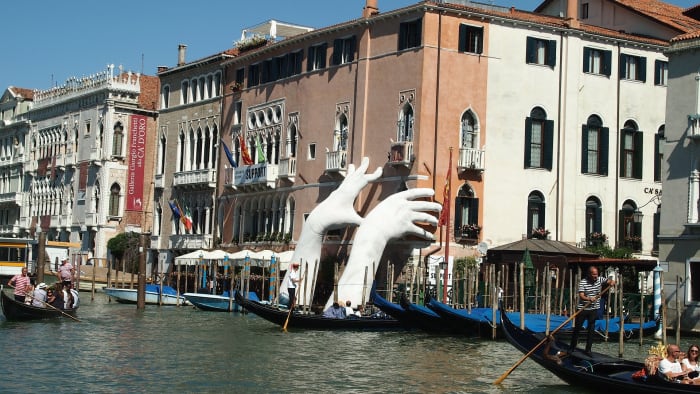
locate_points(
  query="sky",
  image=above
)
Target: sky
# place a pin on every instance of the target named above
(48, 41)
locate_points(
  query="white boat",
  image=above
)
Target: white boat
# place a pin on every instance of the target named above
(153, 296)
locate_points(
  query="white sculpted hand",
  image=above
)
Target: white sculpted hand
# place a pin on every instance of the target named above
(337, 209)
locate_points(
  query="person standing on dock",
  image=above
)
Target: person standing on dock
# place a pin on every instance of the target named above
(20, 282)
(589, 291)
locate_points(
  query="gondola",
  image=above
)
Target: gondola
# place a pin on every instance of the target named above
(413, 315)
(278, 316)
(594, 371)
(19, 311)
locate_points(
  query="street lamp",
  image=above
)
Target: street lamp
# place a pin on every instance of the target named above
(637, 216)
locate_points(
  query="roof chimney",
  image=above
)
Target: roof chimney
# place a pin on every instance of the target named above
(572, 13)
(370, 8)
(181, 49)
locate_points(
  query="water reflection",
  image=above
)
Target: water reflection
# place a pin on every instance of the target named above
(119, 349)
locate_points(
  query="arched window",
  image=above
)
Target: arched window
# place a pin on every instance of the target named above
(469, 131)
(118, 139)
(535, 212)
(292, 141)
(631, 151)
(466, 218)
(594, 145)
(181, 151)
(630, 232)
(539, 140)
(96, 198)
(405, 123)
(114, 199)
(594, 215)
(340, 134)
(659, 141)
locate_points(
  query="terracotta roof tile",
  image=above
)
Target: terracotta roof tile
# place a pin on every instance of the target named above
(668, 14)
(687, 36)
(27, 94)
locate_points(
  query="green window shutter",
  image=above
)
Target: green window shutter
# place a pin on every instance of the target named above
(598, 221)
(311, 54)
(548, 148)
(586, 59)
(480, 44)
(530, 50)
(473, 211)
(584, 149)
(402, 36)
(552, 53)
(620, 227)
(657, 72)
(528, 141)
(638, 155)
(604, 149)
(352, 44)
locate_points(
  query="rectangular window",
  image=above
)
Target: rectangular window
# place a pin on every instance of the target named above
(633, 68)
(166, 97)
(539, 51)
(184, 92)
(343, 50)
(312, 151)
(631, 153)
(627, 154)
(584, 11)
(237, 111)
(536, 144)
(410, 34)
(597, 61)
(317, 57)
(240, 75)
(660, 73)
(593, 150)
(539, 143)
(471, 39)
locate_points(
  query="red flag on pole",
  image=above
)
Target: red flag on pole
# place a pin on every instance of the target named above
(245, 155)
(445, 214)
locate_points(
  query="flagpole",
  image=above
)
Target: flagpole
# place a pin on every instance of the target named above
(445, 273)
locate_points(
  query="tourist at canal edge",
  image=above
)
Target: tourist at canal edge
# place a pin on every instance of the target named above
(20, 283)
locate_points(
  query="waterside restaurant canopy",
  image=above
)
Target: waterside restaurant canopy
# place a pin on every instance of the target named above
(259, 259)
(559, 254)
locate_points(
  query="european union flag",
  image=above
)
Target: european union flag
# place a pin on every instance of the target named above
(229, 156)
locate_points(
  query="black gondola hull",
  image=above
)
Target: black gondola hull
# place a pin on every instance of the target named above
(595, 371)
(19, 311)
(298, 320)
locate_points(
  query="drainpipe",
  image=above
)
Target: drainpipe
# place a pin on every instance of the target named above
(562, 119)
(617, 150)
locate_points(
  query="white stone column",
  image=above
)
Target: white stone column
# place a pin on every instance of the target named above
(693, 191)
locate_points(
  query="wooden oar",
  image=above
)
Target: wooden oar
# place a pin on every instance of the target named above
(53, 307)
(546, 338)
(291, 308)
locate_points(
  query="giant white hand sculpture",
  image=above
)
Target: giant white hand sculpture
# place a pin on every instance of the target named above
(335, 211)
(393, 218)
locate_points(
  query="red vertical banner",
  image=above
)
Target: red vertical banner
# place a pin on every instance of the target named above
(137, 153)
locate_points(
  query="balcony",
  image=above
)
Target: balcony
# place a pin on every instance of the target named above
(337, 161)
(70, 158)
(256, 176)
(200, 178)
(401, 153)
(91, 219)
(288, 168)
(470, 159)
(190, 241)
(467, 234)
(58, 221)
(60, 161)
(159, 182)
(13, 198)
(694, 129)
(96, 156)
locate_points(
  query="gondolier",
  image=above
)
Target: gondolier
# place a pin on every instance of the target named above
(20, 283)
(292, 281)
(66, 272)
(589, 290)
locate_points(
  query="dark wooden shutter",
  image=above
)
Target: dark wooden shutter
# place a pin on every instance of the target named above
(323, 52)
(528, 141)
(351, 47)
(623, 67)
(310, 58)
(657, 72)
(604, 139)
(584, 149)
(480, 41)
(462, 46)
(586, 59)
(530, 52)
(548, 148)
(474, 211)
(598, 220)
(642, 69)
(620, 227)
(638, 155)
(337, 51)
(459, 203)
(402, 36)
(607, 62)
(552, 53)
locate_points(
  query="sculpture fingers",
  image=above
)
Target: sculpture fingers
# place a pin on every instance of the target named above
(412, 194)
(426, 206)
(422, 217)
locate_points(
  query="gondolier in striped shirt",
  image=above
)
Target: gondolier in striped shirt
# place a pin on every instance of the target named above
(20, 283)
(589, 291)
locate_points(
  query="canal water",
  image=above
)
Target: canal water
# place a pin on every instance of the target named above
(116, 348)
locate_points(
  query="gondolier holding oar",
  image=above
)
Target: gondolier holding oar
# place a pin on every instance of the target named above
(292, 281)
(589, 290)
